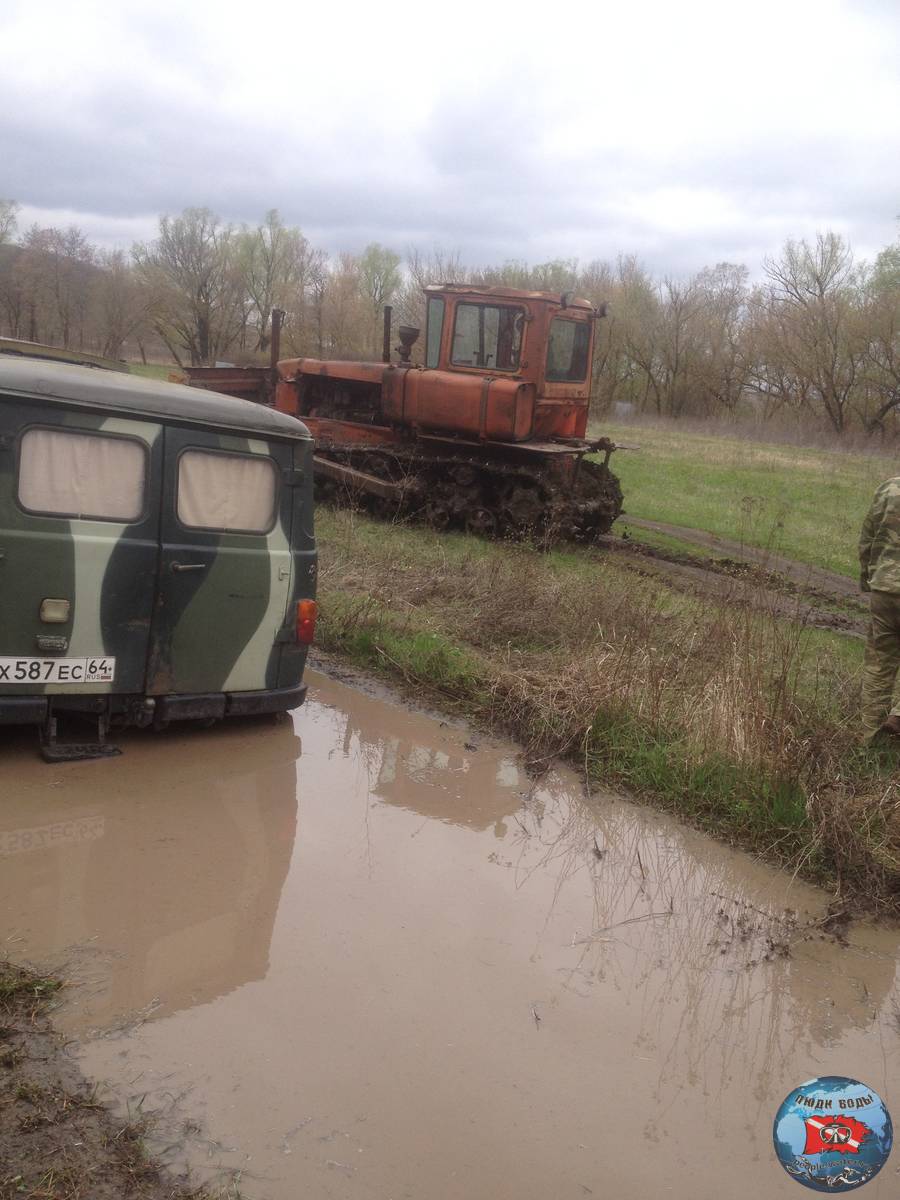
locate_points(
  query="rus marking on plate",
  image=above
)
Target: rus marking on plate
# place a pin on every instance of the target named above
(25, 671)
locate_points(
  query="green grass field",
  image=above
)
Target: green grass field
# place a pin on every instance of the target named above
(805, 504)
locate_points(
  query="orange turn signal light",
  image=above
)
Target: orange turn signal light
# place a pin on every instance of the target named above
(307, 610)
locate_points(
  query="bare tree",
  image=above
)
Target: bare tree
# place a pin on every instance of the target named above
(598, 283)
(422, 270)
(71, 266)
(122, 304)
(276, 264)
(379, 281)
(318, 292)
(55, 276)
(556, 275)
(9, 212)
(882, 347)
(680, 335)
(347, 309)
(816, 332)
(768, 378)
(191, 272)
(640, 311)
(723, 370)
(12, 298)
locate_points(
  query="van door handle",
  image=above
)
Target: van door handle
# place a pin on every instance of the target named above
(177, 566)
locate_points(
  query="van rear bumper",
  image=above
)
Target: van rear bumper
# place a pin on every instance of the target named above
(215, 705)
(34, 710)
(246, 704)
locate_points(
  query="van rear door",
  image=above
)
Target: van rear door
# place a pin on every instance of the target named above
(225, 565)
(79, 521)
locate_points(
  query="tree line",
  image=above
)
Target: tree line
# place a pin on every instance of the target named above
(817, 337)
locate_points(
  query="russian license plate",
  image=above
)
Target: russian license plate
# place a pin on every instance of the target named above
(57, 670)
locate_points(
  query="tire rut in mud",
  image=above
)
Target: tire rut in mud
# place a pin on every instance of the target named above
(800, 593)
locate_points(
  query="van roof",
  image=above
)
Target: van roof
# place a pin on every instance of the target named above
(57, 354)
(132, 395)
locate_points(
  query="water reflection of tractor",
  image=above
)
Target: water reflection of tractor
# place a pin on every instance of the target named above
(475, 791)
(428, 771)
(488, 435)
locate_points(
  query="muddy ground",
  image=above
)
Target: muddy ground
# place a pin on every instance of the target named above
(364, 953)
(738, 574)
(57, 1140)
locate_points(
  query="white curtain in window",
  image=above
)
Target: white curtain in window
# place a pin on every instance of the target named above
(226, 491)
(82, 475)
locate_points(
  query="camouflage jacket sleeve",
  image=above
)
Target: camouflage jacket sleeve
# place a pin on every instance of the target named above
(879, 543)
(865, 545)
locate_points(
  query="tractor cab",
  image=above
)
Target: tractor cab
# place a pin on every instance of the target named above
(541, 338)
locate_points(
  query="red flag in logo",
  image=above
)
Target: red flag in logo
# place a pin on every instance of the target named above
(834, 1133)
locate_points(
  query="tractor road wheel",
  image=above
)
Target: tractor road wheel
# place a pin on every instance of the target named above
(481, 522)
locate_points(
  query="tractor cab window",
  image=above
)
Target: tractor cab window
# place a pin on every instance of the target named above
(435, 328)
(567, 351)
(488, 336)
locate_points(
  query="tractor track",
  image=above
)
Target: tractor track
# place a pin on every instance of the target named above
(483, 496)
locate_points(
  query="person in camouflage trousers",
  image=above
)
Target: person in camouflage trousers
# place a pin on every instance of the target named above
(879, 558)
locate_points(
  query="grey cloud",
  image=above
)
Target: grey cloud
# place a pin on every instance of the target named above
(477, 177)
(128, 150)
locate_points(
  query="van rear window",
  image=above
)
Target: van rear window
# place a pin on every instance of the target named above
(87, 475)
(231, 492)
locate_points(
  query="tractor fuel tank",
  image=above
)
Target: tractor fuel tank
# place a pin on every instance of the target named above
(488, 407)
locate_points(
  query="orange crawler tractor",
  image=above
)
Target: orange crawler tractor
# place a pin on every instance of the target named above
(487, 435)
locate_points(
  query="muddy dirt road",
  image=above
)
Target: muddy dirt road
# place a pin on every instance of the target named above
(803, 576)
(738, 574)
(363, 955)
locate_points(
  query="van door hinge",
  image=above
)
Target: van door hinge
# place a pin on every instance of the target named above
(285, 635)
(292, 477)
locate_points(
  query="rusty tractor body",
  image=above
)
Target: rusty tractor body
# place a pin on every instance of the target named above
(488, 434)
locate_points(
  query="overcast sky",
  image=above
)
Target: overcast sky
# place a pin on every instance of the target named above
(684, 131)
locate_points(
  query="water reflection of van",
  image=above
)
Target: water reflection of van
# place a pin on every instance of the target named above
(196, 861)
(157, 556)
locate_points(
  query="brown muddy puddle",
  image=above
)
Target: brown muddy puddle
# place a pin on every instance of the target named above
(393, 966)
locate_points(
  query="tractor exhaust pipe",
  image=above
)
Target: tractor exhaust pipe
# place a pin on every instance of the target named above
(274, 354)
(386, 343)
(275, 343)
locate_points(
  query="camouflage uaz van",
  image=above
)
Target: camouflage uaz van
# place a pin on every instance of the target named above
(157, 555)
